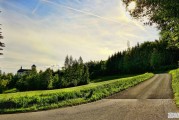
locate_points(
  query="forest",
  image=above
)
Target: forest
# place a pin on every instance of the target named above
(146, 57)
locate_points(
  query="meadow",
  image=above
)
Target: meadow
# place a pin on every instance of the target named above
(175, 85)
(48, 99)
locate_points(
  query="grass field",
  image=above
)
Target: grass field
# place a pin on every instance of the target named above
(48, 99)
(175, 85)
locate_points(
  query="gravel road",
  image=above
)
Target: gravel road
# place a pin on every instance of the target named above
(150, 100)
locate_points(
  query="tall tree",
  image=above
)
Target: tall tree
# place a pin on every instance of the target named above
(46, 79)
(85, 76)
(164, 13)
(155, 59)
(1, 44)
(67, 62)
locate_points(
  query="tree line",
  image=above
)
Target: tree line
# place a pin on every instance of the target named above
(149, 56)
(74, 73)
(145, 57)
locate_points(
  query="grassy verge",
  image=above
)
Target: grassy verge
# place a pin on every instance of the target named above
(13, 90)
(175, 85)
(48, 99)
(113, 77)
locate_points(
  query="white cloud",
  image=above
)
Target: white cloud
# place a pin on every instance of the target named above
(45, 40)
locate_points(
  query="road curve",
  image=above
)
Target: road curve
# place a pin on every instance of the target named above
(150, 100)
(158, 87)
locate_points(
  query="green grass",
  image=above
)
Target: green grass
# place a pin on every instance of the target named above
(107, 78)
(48, 99)
(13, 90)
(175, 85)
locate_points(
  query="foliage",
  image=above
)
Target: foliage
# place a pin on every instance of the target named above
(164, 13)
(96, 68)
(1, 44)
(145, 57)
(155, 60)
(47, 99)
(13, 90)
(175, 84)
(148, 56)
(111, 77)
(74, 73)
(3, 84)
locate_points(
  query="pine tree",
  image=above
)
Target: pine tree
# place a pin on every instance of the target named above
(67, 62)
(85, 77)
(1, 44)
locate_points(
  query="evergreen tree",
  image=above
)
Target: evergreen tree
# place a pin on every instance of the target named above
(85, 76)
(67, 62)
(1, 44)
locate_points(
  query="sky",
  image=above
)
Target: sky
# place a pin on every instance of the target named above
(43, 32)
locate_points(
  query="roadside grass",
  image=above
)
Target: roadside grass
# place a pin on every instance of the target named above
(107, 78)
(13, 90)
(175, 85)
(48, 99)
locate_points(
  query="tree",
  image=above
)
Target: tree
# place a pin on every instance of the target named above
(3, 85)
(80, 60)
(13, 81)
(67, 62)
(70, 61)
(85, 76)
(148, 56)
(164, 13)
(1, 44)
(56, 81)
(45, 79)
(22, 83)
(75, 74)
(155, 59)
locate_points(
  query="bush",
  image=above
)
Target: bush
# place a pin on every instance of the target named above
(3, 84)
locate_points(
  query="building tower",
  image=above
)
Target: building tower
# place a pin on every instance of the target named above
(33, 67)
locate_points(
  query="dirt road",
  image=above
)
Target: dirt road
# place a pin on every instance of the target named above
(150, 100)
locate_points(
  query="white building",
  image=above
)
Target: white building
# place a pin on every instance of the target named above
(25, 71)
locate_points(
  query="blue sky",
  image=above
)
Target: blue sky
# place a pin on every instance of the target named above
(43, 32)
